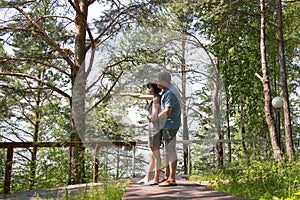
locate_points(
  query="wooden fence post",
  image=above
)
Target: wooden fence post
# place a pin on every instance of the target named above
(96, 164)
(133, 160)
(8, 170)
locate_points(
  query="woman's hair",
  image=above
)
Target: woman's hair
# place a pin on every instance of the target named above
(154, 86)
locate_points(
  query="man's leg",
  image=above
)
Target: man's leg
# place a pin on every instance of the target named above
(172, 166)
(171, 155)
(167, 172)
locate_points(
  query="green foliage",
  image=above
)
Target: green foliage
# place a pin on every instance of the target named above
(107, 191)
(231, 29)
(51, 169)
(260, 180)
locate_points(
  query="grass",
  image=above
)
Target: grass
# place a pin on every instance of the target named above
(259, 181)
(107, 191)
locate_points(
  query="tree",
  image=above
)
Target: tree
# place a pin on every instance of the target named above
(284, 86)
(291, 44)
(59, 40)
(54, 43)
(266, 84)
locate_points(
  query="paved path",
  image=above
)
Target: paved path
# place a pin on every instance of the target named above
(184, 190)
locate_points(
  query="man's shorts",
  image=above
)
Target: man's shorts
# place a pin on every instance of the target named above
(155, 139)
(169, 140)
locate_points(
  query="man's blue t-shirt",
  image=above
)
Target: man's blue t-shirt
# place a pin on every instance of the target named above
(171, 98)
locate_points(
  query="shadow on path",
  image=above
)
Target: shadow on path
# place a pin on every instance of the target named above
(183, 190)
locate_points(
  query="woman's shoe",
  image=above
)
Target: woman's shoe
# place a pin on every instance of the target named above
(150, 183)
(142, 181)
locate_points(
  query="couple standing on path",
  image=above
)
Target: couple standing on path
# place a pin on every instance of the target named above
(164, 121)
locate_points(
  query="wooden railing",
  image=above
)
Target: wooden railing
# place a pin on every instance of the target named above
(11, 145)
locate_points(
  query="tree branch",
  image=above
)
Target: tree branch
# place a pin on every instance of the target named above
(106, 95)
(56, 16)
(201, 115)
(38, 80)
(114, 21)
(46, 37)
(35, 61)
(260, 78)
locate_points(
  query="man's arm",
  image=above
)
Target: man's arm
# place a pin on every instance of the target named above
(168, 107)
(164, 114)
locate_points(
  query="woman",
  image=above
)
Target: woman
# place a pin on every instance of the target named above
(154, 131)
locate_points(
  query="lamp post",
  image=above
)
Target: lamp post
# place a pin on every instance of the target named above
(277, 103)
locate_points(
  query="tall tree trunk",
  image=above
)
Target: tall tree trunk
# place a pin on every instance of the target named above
(266, 88)
(284, 88)
(242, 115)
(77, 172)
(216, 114)
(37, 121)
(228, 126)
(185, 133)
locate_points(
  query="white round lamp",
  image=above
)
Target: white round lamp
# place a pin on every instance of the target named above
(277, 102)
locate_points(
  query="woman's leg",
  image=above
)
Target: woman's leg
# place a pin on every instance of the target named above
(151, 165)
(157, 162)
(150, 169)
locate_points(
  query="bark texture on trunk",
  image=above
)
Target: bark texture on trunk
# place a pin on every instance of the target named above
(266, 88)
(217, 115)
(284, 88)
(77, 169)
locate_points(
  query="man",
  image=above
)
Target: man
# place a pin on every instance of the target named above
(171, 116)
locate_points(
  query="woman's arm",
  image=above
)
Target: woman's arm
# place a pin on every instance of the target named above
(130, 94)
(146, 96)
(137, 95)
